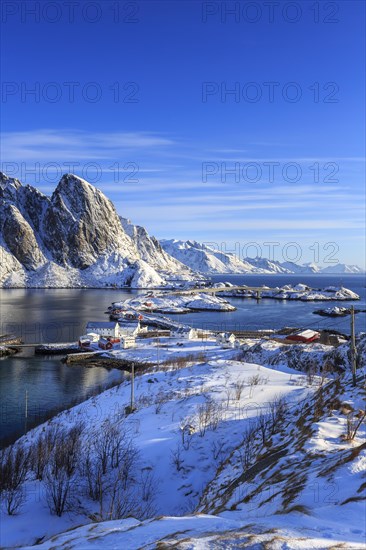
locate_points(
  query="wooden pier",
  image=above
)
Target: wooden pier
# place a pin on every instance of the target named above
(83, 356)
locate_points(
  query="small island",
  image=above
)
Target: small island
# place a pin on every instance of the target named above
(337, 311)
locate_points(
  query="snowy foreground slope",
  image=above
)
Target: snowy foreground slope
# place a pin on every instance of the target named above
(75, 238)
(220, 453)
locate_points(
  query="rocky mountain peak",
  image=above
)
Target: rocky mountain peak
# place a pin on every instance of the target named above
(8, 186)
(75, 235)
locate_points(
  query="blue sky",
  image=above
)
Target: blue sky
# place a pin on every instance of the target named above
(139, 103)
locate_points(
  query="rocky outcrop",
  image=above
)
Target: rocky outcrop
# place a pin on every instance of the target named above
(150, 249)
(20, 239)
(81, 224)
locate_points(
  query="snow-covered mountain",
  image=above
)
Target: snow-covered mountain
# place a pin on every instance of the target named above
(343, 268)
(204, 259)
(75, 238)
(150, 249)
(263, 265)
(305, 268)
(200, 257)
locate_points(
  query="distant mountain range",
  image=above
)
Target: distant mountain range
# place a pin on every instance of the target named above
(204, 259)
(75, 238)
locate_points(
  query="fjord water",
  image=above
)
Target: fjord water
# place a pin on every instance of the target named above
(39, 316)
(275, 314)
(60, 315)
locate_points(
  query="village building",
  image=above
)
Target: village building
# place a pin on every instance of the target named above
(131, 328)
(184, 332)
(130, 316)
(226, 340)
(305, 336)
(103, 328)
(87, 339)
(104, 343)
(128, 342)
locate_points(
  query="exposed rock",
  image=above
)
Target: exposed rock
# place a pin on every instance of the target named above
(20, 239)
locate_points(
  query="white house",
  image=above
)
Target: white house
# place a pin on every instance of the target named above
(103, 328)
(128, 342)
(184, 332)
(86, 339)
(130, 329)
(237, 344)
(226, 340)
(93, 336)
(90, 337)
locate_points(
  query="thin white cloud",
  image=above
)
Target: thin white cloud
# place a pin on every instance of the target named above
(69, 145)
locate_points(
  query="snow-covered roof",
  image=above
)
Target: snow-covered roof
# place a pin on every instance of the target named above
(308, 333)
(183, 330)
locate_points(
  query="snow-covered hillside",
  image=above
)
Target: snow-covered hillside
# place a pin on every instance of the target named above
(219, 453)
(75, 238)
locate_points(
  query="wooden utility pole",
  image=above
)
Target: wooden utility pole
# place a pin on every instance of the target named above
(353, 346)
(131, 407)
(26, 411)
(133, 387)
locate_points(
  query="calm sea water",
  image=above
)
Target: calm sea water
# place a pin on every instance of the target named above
(38, 316)
(61, 315)
(275, 314)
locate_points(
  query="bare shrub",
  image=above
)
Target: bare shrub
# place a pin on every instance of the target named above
(60, 471)
(217, 448)
(91, 470)
(229, 397)
(14, 466)
(354, 422)
(276, 410)
(263, 426)
(107, 468)
(58, 488)
(238, 389)
(177, 458)
(257, 380)
(187, 430)
(161, 398)
(105, 444)
(159, 401)
(246, 448)
(123, 501)
(135, 500)
(209, 416)
(144, 401)
(41, 450)
(311, 372)
(148, 484)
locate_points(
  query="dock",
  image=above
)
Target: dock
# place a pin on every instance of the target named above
(82, 356)
(10, 340)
